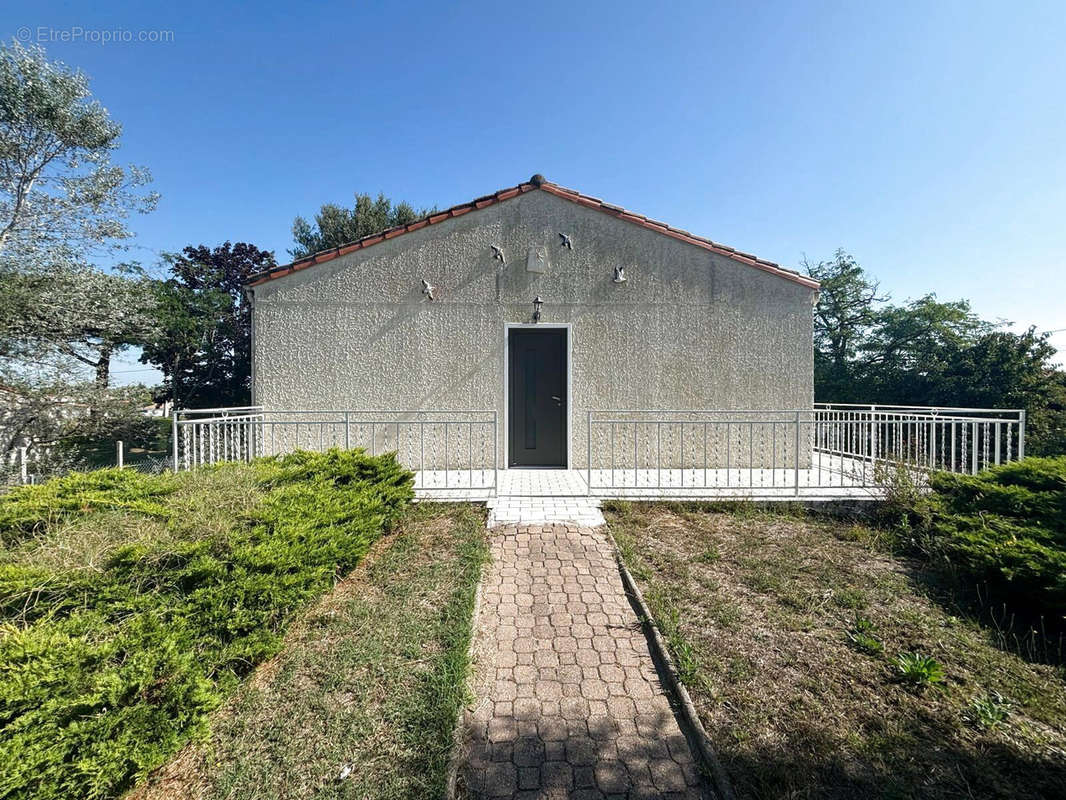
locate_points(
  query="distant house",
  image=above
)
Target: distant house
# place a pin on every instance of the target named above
(541, 304)
(162, 409)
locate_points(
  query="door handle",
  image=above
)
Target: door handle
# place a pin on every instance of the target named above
(558, 400)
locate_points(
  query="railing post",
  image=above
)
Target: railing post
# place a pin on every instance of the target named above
(588, 455)
(347, 430)
(954, 435)
(24, 472)
(796, 463)
(174, 435)
(659, 454)
(873, 441)
(1021, 434)
(120, 453)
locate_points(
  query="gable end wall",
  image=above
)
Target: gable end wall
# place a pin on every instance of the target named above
(689, 329)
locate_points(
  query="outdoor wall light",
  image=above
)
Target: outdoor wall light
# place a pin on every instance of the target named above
(428, 288)
(537, 303)
(619, 274)
(497, 253)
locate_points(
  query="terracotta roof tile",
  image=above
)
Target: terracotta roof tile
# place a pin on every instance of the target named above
(559, 191)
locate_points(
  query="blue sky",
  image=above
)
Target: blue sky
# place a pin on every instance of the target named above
(928, 139)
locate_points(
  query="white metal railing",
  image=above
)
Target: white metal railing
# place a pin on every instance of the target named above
(448, 450)
(789, 452)
(953, 439)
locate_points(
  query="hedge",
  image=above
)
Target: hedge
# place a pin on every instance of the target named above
(1006, 527)
(106, 674)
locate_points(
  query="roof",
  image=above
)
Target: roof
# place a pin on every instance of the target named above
(536, 183)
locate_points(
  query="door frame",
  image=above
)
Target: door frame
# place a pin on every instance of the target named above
(506, 370)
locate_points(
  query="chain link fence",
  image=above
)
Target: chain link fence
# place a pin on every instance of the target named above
(26, 465)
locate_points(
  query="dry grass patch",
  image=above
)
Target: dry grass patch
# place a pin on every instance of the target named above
(369, 683)
(788, 632)
(202, 504)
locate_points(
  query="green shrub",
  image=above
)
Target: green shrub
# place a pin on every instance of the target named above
(988, 711)
(1006, 527)
(861, 636)
(29, 509)
(918, 670)
(109, 672)
(710, 555)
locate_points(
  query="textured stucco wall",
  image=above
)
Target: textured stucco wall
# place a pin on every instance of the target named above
(689, 330)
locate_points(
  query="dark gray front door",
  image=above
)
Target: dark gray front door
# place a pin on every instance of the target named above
(537, 393)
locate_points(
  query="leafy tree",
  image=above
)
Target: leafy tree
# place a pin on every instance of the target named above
(73, 313)
(335, 225)
(845, 312)
(929, 352)
(1009, 370)
(62, 202)
(203, 346)
(60, 195)
(908, 348)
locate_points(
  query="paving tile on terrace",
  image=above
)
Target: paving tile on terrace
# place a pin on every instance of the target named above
(583, 511)
(569, 703)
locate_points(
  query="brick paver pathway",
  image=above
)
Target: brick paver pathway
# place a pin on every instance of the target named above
(568, 700)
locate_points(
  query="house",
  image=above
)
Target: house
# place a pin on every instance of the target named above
(540, 305)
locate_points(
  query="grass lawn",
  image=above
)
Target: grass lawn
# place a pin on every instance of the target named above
(787, 631)
(370, 679)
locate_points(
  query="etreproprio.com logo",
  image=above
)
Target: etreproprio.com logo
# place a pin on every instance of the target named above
(43, 34)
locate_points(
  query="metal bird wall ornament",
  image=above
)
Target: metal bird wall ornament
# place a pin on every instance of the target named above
(569, 245)
(619, 274)
(428, 288)
(497, 253)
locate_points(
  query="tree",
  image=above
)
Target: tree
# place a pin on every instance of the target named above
(1008, 370)
(60, 196)
(62, 202)
(845, 312)
(76, 314)
(203, 346)
(908, 348)
(335, 225)
(930, 352)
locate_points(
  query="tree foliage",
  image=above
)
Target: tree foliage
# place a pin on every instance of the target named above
(929, 352)
(60, 195)
(335, 225)
(62, 202)
(73, 313)
(204, 343)
(844, 314)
